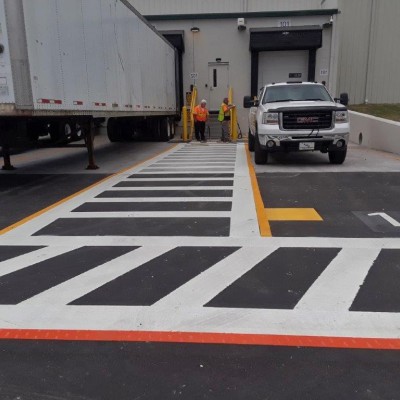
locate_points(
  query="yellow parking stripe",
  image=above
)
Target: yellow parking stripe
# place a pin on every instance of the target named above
(263, 224)
(292, 214)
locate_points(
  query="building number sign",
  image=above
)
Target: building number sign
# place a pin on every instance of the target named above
(284, 23)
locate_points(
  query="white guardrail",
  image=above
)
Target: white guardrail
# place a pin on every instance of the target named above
(375, 133)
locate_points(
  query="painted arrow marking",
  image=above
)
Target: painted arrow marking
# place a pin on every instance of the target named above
(387, 218)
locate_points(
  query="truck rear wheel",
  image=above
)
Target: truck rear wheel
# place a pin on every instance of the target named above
(260, 155)
(251, 141)
(337, 156)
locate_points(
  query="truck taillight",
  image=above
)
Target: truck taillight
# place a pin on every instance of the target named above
(341, 116)
(270, 118)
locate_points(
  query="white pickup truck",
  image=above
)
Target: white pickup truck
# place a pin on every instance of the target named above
(297, 116)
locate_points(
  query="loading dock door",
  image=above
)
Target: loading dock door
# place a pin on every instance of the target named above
(282, 66)
(218, 83)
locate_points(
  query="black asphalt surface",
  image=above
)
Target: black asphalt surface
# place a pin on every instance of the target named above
(342, 199)
(32, 370)
(380, 290)
(156, 206)
(22, 195)
(138, 227)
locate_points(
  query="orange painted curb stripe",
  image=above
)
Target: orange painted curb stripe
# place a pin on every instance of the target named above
(201, 338)
(263, 223)
(64, 200)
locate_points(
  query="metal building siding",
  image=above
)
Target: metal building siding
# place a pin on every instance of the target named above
(279, 5)
(353, 53)
(369, 65)
(158, 7)
(384, 83)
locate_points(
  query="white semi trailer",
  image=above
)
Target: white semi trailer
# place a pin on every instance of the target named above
(65, 62)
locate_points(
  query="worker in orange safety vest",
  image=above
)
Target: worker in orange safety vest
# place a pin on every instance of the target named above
(200, 115)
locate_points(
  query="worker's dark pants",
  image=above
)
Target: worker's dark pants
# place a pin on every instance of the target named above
(199, 129)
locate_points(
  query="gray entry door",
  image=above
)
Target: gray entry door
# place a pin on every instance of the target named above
(218, 84)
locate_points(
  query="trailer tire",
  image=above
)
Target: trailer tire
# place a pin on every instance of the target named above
(77, 132)
(172, 127)
(164, 129)
(114, 131)
(153, 128)
(60, 131)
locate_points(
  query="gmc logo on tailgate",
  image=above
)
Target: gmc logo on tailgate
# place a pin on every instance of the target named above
(307, 120)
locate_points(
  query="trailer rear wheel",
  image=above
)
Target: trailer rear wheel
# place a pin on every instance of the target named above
(77, 132)
(165, 130)
(114, 130)
(153, 128)
(172, 128)
(60, 131)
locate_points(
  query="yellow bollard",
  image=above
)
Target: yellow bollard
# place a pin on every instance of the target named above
(233, 114)
(185, 124)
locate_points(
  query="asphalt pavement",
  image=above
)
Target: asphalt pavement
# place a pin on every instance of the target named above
(149, 278)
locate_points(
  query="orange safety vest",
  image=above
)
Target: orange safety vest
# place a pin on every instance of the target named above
(200, 113)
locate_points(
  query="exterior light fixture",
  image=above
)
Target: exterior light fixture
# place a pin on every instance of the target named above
(195, 29)
(218, 59)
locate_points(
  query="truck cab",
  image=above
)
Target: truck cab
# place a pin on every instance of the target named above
(297, 116)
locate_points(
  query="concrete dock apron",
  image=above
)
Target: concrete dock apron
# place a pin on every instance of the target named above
(171, 251)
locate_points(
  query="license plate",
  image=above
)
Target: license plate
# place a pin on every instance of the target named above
(306, 146)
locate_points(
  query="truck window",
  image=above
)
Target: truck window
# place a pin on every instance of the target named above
(296, 93)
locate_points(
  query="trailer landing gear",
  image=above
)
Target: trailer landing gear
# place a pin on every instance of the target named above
(88, 129)
(7, 159)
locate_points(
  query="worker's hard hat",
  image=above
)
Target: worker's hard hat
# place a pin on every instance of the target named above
(204, 101)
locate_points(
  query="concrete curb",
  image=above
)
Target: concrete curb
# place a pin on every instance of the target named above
(374, 132)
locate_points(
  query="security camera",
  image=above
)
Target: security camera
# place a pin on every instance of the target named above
(241, 22)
